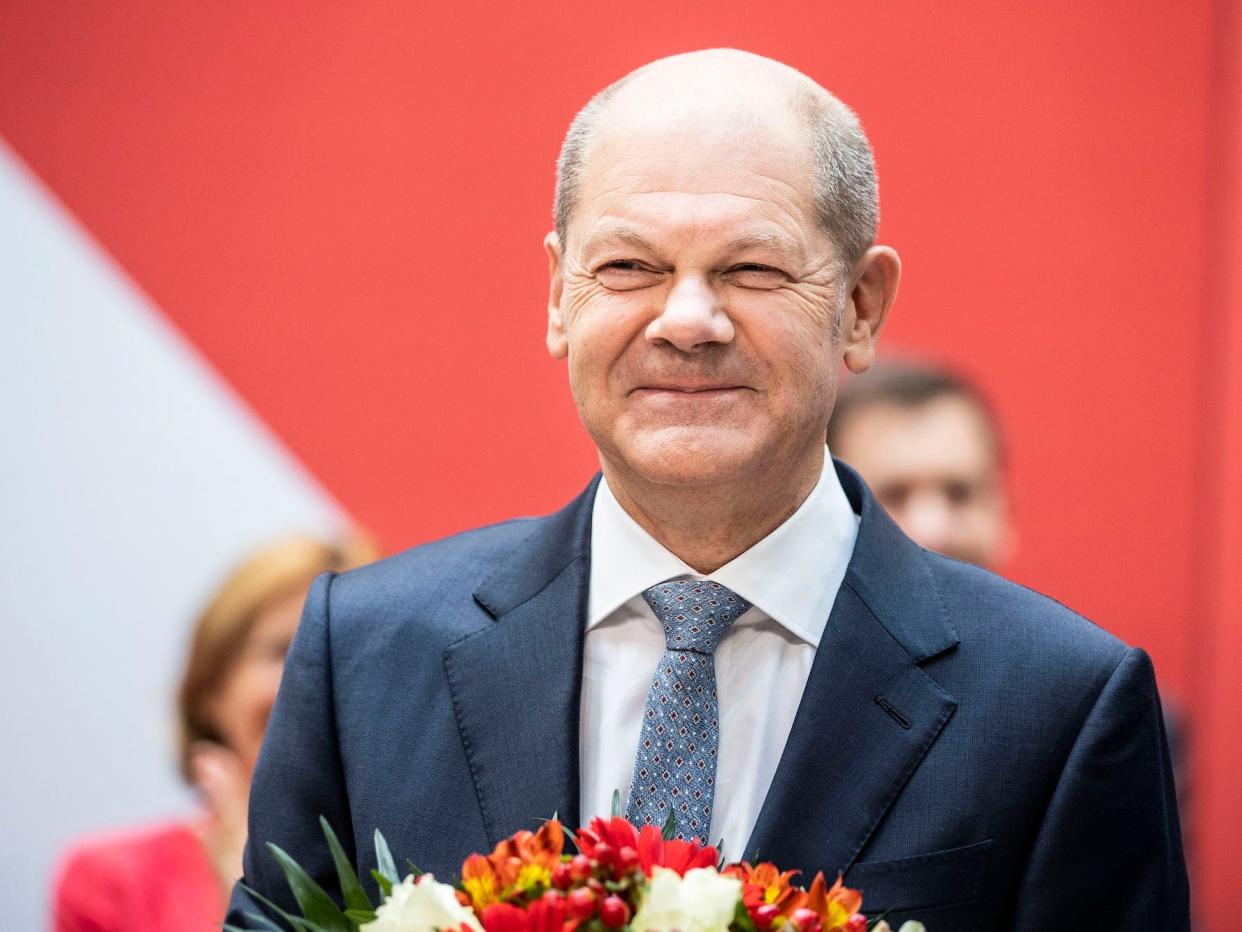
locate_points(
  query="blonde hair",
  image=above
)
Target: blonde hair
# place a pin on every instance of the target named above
(277, 571)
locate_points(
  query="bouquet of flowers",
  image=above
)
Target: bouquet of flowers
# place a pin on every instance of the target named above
(622, 879)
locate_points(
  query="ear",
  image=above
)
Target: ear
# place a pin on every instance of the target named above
(873, 287)
(558, 342)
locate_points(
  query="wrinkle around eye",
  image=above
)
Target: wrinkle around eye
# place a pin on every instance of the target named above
(757, 276)
(626, 276)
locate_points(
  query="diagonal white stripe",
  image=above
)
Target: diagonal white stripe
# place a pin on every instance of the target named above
(131, 477)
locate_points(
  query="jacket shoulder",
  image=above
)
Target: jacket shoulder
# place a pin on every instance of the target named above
(433, 582)
(1004, 619)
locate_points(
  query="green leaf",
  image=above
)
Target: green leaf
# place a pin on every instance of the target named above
(360, 916)
(384, 884)
(297, 922)
(741, 919)
(351, 886)
(670, 826)
(315, 904)
(415, 871)
(264, 924)
(383, 858)
(616, 803)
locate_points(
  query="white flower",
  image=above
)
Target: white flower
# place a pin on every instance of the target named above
(421, 907)
(702, 901)
(883, 926)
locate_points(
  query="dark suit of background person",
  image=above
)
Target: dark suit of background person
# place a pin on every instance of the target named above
(968, 752)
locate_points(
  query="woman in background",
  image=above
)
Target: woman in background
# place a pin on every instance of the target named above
(178, 876)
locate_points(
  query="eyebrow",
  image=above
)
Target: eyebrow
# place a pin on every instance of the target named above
(620, 235)
(761, 239)
(767, 239)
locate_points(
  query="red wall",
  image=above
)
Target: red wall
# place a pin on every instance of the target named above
(343, 209)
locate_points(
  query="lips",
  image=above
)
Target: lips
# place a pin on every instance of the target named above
(689, 389)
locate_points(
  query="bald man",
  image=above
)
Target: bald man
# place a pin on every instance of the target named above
(725, 626)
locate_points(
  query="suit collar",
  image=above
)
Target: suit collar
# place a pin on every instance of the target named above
(554, 542)
(515, 682)
(889, 572)
(868, 714)
(792, 575)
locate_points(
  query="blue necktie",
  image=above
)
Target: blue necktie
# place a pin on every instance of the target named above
(675, 767)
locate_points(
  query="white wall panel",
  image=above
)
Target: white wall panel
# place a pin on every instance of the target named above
(131, 478)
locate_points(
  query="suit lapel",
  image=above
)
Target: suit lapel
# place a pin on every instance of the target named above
(869, 713)
(515, 683)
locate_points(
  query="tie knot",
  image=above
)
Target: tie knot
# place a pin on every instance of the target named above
(695, 613)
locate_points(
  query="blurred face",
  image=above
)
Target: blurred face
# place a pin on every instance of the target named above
(243, 704)
(934, 470)
(695, 299)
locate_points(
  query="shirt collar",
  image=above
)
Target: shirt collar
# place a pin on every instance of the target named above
(792, 575)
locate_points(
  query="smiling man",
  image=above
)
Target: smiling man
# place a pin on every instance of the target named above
(725, 626)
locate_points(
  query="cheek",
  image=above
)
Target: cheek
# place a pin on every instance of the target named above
(800, 356)
(247, 703)
(600, 335)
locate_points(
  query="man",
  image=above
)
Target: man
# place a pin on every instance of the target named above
(965, 750)
(930, 449)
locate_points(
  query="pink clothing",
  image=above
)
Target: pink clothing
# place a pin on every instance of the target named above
(153, 879)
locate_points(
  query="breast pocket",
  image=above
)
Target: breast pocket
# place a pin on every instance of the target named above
(928, 881)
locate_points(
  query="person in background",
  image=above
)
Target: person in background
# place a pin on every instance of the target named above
(177, 876)
(930, 447)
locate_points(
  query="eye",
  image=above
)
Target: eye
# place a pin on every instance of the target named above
(958, 491)
(893, 495)
(753, 275)
(626, 275)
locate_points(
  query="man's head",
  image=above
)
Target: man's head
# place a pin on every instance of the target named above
(930, 448)
(712, 267)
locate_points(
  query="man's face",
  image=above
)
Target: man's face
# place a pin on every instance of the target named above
(695, 299)
(933, 468)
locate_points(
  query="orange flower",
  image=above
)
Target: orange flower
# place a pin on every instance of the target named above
(767, 893)
(836, 906)
(764, 885)
(519, 865)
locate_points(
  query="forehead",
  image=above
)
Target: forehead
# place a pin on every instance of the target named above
(947, 435)
(728, 170)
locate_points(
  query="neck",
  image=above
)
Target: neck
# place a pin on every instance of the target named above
(706, 526)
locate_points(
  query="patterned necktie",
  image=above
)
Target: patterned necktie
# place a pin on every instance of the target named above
(675, 767)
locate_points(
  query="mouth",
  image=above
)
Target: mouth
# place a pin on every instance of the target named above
(686, 390)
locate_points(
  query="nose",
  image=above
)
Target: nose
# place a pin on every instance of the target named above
(928, 520)
(691, 318)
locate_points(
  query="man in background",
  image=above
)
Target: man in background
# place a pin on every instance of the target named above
(930, 447)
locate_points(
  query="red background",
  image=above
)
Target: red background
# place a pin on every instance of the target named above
(342, 205)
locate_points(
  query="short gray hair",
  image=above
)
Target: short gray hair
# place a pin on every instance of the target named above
(845, 190)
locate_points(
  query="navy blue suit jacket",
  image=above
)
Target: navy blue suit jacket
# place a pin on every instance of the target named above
(966, 751)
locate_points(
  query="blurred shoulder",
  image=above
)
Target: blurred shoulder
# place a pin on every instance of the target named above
(123, 849)
(110, 874)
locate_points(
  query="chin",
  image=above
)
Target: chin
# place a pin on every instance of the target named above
(689, 456)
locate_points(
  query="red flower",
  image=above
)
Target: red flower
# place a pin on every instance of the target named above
(612, 843)
(546, 914)
(676, 855)
(617, 844)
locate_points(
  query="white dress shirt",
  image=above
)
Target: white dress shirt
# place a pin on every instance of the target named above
(791, 578)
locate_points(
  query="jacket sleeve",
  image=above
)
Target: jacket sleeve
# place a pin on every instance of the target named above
(1109, 852)
(299, 776)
